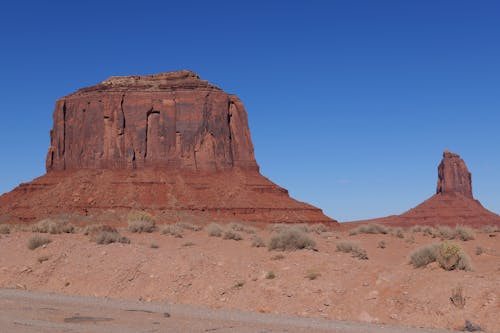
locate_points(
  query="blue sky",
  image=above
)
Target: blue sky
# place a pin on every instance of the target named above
(350, 103)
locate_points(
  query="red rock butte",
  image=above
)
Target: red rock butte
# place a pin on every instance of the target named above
(453, 203)
(171, 144)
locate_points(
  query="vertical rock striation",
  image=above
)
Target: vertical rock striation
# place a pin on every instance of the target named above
(453, 176)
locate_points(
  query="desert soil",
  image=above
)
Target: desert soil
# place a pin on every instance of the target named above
(232, 275)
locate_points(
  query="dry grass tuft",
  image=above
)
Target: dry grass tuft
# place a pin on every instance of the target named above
(354, 249)
(479, 250)
(37, 241)
(257, 241)
(370, 228)
(139, 221)
(53, 227)
(278, 256)
(172, 230)
(291, 238)
(108, 237)
(153, 245)
(241, 228)
(41, 259)
(382, 244)
(464, 233)
(312, 275)
(189, 226)
(318, 228)
(4, 229)
(398, 232)
(270, 275)
(457, 297)
(230, 234)
(94, 229)
(214, 230)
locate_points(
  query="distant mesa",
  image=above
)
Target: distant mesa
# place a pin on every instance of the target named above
(453, 203)
(170, 143)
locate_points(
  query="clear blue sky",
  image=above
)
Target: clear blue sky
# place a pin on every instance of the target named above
(350, 103)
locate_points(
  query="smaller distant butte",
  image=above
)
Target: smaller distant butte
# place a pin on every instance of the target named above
(453, 203)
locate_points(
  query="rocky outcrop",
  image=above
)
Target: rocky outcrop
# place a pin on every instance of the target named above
(453, 176)
(453, 203)
(173, 120)
(170, 144)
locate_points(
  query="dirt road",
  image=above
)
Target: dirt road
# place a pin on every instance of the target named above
(26, 312)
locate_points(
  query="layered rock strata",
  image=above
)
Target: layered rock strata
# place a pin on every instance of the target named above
(170, 144)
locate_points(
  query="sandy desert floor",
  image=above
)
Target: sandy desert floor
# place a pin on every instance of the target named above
(209, 271)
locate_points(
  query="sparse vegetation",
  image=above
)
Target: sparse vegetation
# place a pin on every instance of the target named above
(318, 228)
(241, 228)
(381, 244)
(430, 231)
(449, 255)
(214, 230)
(230, 234)
(445, 232)
(312, 275)
(4, 229)
(489, 229)
(291, 238)
(172, 230)
(41, 259)
(94, 229)
(416, 228)
(53, 227)
(139, 221)
(479, 250)
(270, 275)
(257, 241)
(239, 284)
(153, 245)
(108, 237)
(188, 226)
(188, 244)
(464, 233)
(398, 232)
(37, 241)
(410, 240)
(457, 297)
(370, 228)
(278, 256)
(354, 249)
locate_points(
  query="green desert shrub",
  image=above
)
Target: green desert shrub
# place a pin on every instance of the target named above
(37, 241)
(4, 229)
(139, 221)
(291, 238)
(370, 228)
(214, 230)
(354, 249)
(449, 255)
(172, 230)
(53, 227)
(108, 237)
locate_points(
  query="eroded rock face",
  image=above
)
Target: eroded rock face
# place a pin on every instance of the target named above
(173, 120)
(170, 144)
(453, 176)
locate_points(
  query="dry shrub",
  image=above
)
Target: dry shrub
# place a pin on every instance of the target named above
(172, 230)
(108, 237)
(416, 228)
(4, 229)
(424, 255)
(445, 232)
(270, 275)
(230, 234)
(139, 221)
(354, 249)
(278, 256)
(370, 228)
(188, 244)
(398, 232)
(464, 233)
(430, 231)
(279, 227)
(37, 241)
(381, 244)
(41, 259)
(312, 275)
(53, 227)
(457, 297)
(488, 229)
(257, 241)
(153, 245)
(241, 228)
(188, 226)
(214, 230)
(318, 228)
(291, 238)
(410, 240)
(94, 229)
(449, 255)
(479, 250)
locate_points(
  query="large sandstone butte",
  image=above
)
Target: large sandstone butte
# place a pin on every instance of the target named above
(171, 144)
(453, 203)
